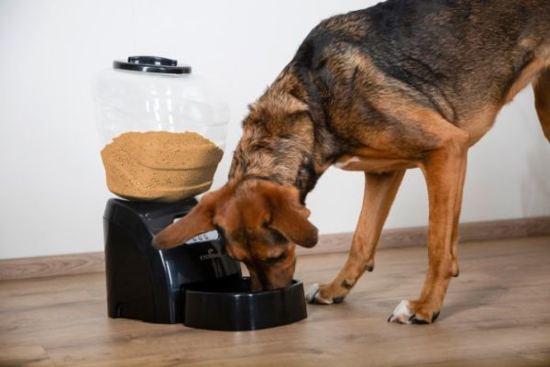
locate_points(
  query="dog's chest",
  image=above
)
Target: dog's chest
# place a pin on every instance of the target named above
(371, 164)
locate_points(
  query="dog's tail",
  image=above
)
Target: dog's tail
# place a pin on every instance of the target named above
(542, 100)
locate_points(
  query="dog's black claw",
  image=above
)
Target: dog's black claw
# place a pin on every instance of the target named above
(389, 318)
(338, 300)
(416, 321)
(435, 316)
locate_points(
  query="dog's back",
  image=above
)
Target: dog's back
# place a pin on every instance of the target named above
(461, 58)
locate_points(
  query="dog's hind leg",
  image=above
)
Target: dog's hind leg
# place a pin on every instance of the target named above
(380, 191)
(444, 169)
(542, 100)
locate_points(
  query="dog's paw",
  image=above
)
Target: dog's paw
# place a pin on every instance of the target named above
(402, 313)
(315, 295)
(405, 314)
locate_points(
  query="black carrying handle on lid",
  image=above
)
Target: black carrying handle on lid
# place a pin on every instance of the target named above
(152, 64)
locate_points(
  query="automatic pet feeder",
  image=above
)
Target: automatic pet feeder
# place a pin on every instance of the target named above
(164, 132)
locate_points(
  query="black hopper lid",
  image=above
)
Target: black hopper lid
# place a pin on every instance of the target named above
(152, 64)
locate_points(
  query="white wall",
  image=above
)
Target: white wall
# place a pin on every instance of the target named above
(52, 189)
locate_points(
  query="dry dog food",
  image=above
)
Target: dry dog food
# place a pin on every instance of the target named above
(160, 165)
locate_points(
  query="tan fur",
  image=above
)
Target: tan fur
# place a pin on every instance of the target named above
(477, 123)
(527, 76)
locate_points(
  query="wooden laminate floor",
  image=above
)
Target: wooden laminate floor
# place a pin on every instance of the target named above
(497, 313)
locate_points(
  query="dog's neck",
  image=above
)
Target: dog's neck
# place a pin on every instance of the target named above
(282, 159)
(278, 142)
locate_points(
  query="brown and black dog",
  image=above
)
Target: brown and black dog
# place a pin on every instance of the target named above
(403, 84)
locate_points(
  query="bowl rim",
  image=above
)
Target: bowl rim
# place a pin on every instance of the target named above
(295, 283)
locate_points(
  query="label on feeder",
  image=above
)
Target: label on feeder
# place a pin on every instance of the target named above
(205, 237)
(212, 254)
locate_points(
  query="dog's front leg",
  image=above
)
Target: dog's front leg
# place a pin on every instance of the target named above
(444, 170)
(380, 191)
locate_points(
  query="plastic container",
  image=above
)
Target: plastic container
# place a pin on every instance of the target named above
(228, 305)
(163, 129)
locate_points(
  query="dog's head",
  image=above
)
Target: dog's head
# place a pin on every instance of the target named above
(260, 223)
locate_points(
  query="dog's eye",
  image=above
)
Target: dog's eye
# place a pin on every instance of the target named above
(275, 259)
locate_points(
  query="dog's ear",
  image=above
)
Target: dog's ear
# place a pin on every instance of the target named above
(199, 220)
(289, 217)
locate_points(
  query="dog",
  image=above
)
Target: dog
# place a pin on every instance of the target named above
(404, 84)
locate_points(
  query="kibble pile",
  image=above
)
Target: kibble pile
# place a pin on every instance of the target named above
(160, 165)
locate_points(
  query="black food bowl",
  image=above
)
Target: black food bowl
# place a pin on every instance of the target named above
(228, 304)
